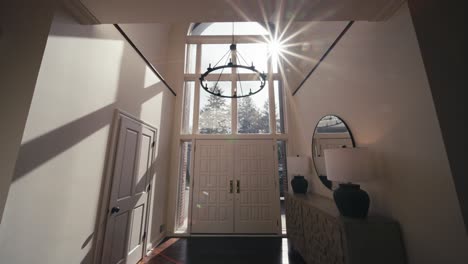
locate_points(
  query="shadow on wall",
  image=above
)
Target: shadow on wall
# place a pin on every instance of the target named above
(161, 166)
(92, 238)
(131, 95)
(43, 148)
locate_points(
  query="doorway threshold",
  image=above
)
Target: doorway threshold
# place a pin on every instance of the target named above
(230, 235)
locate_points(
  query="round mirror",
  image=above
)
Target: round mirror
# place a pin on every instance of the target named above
(330, 132)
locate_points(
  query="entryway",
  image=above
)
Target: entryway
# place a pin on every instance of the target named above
(235, 188)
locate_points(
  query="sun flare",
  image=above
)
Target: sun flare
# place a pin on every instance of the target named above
(275, 47)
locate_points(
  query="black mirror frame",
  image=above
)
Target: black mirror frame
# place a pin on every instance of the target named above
(326, 182)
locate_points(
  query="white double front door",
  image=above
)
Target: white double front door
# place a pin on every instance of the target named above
(235, 187)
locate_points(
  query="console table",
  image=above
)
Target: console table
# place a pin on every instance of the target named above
(320, 235)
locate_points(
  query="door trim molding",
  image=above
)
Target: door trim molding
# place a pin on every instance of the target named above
(106, 185)
(128, 115)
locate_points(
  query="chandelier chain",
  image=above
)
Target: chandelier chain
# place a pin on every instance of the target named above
(242, 57)
(234, 62)
(219, 77)
(228, 52)
(232, 32)
(240, 83)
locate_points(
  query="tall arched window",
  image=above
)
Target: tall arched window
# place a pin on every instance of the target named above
(206, 116)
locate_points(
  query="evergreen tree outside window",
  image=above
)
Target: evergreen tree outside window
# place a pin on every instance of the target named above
(279, 107)
(253, 114)
(187, 110)
(215, 111)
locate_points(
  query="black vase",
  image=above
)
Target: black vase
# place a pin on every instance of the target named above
(351, 200)
(299, 184)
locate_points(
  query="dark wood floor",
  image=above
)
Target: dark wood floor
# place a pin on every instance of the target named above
(222, 250)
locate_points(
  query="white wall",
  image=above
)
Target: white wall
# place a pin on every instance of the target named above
(375, 80)
(21, 49)
(175, 77)
(86, 73)
(310, 41)
(147, 37)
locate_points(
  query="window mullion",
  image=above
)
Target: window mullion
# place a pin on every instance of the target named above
(196, 105)
(234, 100)
(271, 98)
(283, 99)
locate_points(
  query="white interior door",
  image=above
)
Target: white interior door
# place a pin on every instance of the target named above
(126, 224)
(256, 201)
(234, 187)
(212, 203)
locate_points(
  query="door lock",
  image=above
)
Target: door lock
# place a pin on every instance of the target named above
(115, 210)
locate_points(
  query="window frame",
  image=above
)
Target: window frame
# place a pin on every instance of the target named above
(200, 40)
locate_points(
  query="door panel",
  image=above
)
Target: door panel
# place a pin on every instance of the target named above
(124, 239)
(256, 206)
(125, 177)
(141, 181)
(119, 238)
(137, 223)
(212, 204)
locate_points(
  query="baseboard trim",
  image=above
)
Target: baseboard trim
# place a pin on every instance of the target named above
(152, 244)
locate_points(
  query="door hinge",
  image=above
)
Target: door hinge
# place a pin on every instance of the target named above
(149, 187)
(277, 222)
(153, 144)
(144, 237)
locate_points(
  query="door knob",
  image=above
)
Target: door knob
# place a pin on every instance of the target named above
(115, 210)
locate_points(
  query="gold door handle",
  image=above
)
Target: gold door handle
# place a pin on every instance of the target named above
(238, 186)
(231, 186)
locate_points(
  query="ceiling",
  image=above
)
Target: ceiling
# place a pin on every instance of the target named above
(316, 23)
(177, 11)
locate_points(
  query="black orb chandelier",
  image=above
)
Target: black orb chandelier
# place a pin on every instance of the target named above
(217, 71)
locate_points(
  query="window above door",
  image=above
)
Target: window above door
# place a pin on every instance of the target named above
(207, 114)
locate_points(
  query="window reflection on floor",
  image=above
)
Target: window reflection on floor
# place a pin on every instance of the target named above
(284, 251)
(283, 216)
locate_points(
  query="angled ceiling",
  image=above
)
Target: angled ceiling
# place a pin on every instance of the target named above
(305, 49)
(315, 24)
(176, 11)
(305, 43)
